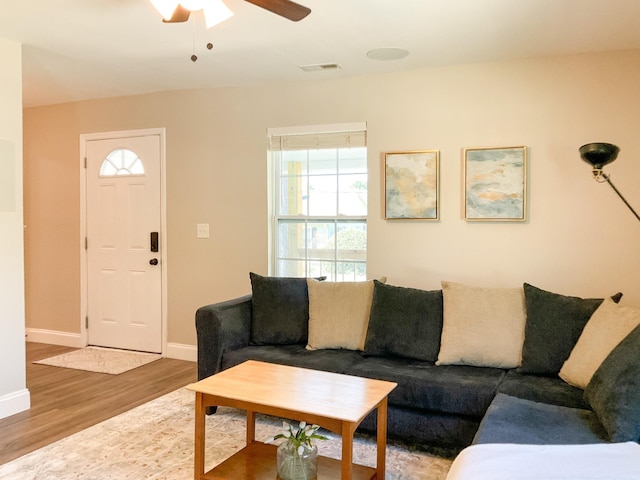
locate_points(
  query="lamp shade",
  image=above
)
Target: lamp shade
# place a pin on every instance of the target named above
(599, 154)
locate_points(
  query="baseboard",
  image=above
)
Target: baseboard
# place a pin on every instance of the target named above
(54, 337)
(181, 351)
(15, 402)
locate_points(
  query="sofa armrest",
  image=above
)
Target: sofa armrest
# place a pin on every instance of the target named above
(221, 327)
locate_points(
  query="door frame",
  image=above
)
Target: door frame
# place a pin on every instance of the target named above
(84, 305)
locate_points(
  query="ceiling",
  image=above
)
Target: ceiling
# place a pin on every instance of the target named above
(82, 49)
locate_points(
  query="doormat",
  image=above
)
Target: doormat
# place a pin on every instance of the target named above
(101, 360)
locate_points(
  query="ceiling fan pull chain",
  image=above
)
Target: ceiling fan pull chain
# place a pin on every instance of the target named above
(194, 57)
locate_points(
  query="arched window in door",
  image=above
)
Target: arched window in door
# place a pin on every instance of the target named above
(121, 162)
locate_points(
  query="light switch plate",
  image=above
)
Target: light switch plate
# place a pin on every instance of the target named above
(202, 230)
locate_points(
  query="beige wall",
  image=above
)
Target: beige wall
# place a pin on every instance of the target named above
(14, 396)
(580, 239)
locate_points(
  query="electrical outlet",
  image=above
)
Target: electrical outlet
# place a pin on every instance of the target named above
(202, 230)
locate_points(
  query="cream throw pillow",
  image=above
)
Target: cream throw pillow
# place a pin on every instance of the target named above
(339, 314)
(606, 328)
(482, 326)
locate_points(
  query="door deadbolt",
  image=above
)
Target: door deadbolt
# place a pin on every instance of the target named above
(153, 241)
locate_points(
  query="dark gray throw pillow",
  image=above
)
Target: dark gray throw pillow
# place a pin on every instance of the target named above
(554, 324)
(614, 390)
(280, 310)
(405, 322)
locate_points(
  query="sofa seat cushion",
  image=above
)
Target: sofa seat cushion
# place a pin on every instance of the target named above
(335, 361)
(452, 389)
(516, 420)
(439, 433)
(542, 389)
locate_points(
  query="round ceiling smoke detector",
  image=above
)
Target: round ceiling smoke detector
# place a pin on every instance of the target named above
(387, 53)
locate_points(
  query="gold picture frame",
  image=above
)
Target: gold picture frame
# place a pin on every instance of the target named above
(412, 185)
(495, 184)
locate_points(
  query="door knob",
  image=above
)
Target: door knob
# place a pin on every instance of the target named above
(153, 261)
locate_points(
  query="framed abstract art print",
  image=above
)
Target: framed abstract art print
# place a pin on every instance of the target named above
(411, 185)
(495, 184)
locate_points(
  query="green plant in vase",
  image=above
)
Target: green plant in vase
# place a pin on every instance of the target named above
(297, 457)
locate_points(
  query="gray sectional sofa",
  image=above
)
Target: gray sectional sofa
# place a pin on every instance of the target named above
(438, 405)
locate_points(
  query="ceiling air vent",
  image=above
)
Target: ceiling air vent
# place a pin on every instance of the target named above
(320, 66)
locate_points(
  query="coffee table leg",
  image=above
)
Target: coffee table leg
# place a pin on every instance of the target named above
(251, 426)
(198, 454)
(347, 451)
(382, 439)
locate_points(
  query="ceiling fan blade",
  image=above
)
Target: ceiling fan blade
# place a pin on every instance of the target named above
(180, 14)
(284, 8)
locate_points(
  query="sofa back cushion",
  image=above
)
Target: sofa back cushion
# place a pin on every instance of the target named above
(614, 390)
(554, 324)
(280, 310)
(482, 327)
(606, 328)
(405, 322)
(339, 314)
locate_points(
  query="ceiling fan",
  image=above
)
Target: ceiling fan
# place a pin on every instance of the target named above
(175, 11)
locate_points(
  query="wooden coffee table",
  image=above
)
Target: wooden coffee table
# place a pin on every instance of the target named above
(336, 402)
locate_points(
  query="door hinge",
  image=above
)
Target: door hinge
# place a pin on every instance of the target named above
(86, 322)
(86, 243)
(85, 163)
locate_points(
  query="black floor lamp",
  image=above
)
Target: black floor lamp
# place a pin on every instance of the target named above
(598, 155)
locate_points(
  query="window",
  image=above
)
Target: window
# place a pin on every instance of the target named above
(320, 202)
(121, 162)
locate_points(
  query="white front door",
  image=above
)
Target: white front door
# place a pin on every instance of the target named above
(124, 271)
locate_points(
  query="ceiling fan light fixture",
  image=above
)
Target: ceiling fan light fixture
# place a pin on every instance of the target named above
(215, 11)
(193, 5)
(165, 7)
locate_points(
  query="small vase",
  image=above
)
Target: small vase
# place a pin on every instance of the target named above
(293, 466)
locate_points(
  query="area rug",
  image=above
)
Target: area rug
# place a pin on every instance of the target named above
(155, 441)
(102, 360)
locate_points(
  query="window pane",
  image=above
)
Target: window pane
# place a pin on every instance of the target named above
(353, 195)
(351, 272)
(323, 195)
(321, 238)
(136, 168)
(291, 268)
(294, 162)
(121, 162)
(293, 196)
(324, 161)
(321, 269)
(291, 240)
(107, 169)
(353, 160)
(352, 241)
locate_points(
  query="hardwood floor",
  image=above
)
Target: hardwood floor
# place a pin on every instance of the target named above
(65, 401)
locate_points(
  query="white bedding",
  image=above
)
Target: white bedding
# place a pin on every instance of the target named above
(607, 461)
